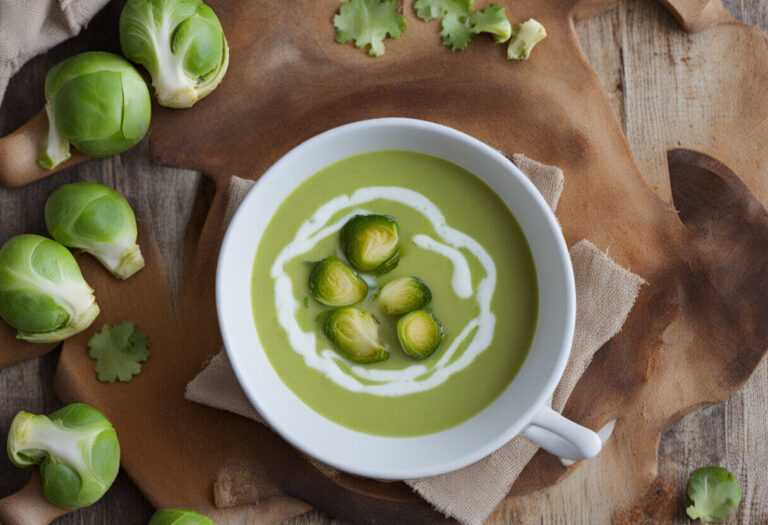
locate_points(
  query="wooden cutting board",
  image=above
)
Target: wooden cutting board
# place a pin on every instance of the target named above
(694, 336)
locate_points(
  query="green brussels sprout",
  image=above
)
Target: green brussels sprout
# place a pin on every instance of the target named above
(403, 295)
(179, 517)
(97, 220)
(714, 493)
(97, 102)
(420, 334)
(371, 243)
(355, 333)
(333, 283)
(77, 450)
(524, 38)
(42, 292)
(182, 45)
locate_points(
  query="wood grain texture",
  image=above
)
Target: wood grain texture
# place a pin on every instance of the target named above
(626, 65)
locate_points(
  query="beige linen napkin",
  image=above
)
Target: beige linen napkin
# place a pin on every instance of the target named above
(605, 293)
(31, 27)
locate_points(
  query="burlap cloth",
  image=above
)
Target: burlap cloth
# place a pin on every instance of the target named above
(605, 293)
(31, 27)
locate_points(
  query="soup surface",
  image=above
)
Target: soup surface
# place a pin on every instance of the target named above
(456, 235)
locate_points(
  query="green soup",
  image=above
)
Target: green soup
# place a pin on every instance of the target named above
(487, 334)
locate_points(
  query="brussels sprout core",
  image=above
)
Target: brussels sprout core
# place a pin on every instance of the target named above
(333, 283)
(97, 102)
(179, 517)
(97, 220)
(77, 450)
(371, 243)
(420, 334)
(355, 333)
(42, 292)
(404, 295)
(182, 45)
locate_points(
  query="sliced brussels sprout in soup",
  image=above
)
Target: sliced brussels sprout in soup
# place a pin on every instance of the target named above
(420, 334)
(97, 220)
(403, 295)
(355, 333)
(333, 283)
(371, 243)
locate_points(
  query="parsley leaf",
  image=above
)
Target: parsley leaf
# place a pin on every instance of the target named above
(118, 351)
(368, 22)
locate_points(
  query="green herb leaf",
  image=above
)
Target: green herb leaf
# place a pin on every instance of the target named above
(493, 19)
(368, 22)
(714, 493)
(119, 351)
(455, 27)
(428, 10)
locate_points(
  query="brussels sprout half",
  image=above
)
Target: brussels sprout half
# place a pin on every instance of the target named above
(333, 283)
(182, 45)
(419, 333)
(403, 295)
(179, 517)
(97, 220)
(97, 102)
(77, 450)
(355, 333)
(42, 292)
(371, 243)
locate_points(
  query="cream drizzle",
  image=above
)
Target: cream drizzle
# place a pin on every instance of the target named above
(389, 383)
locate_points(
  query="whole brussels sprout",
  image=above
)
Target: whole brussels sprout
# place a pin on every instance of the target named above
(371, 243)
(182, 45)
(97, 220)
(42, 292)
(179, 517)
(333, 283)
(355, 333)
(77, 450)
(97, 102)
(420, 334)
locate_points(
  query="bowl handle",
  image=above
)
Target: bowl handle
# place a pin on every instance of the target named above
(561, 436)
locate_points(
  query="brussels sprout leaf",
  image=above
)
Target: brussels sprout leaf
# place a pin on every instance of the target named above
(714, 493)
(368, 22)
(119, 351)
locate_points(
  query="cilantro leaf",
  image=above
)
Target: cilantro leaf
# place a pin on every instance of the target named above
(460, 23)
(456, 31)
(428, 10)
(368, 22)
(118, 351)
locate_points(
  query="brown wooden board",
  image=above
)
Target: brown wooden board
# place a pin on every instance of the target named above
(693, 338)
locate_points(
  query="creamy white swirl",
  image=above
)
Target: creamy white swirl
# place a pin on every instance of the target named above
(415, 378)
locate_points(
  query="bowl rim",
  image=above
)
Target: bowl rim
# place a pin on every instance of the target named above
(514, 427)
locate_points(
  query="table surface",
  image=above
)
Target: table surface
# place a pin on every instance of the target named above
(619, 44)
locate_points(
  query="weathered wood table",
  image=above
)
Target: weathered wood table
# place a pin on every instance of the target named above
(624, 45)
